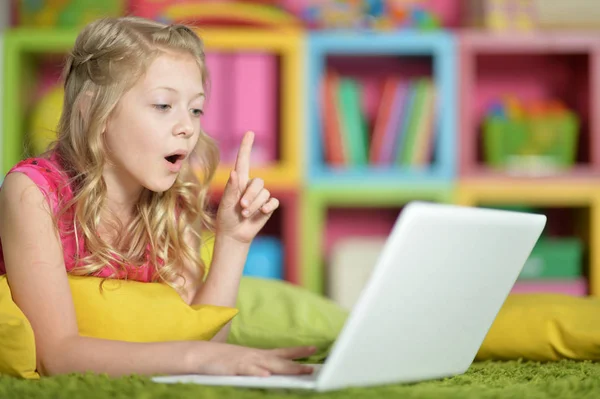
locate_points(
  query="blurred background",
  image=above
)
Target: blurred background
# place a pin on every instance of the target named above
(362, 105)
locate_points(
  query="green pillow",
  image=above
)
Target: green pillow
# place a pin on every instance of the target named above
(275, 314)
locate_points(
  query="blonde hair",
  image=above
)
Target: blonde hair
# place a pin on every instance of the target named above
(108, 57)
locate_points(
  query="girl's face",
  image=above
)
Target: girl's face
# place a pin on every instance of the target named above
(155, 126)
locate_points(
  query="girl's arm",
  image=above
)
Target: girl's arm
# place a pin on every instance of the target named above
(245, 207)
(36, 273)
(222, 283)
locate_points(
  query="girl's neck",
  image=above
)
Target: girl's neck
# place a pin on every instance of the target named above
(114, 224)
(122, 195)
(119, 212)
(122, 190)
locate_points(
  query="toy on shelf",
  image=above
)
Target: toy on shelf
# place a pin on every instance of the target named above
(65, 13)
(502, 15)
(540, 137)
(384, 15)
(215, 13)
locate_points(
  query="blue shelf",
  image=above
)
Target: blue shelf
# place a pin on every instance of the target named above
(440, 46)
(378, 176)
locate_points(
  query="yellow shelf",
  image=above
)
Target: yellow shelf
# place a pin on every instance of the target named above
(555, 193)
(280, 177)
(541, 192)
(281, 41)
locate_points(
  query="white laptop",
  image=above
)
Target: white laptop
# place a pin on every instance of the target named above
(443, 275)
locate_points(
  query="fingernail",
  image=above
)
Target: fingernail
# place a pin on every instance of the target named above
(244, 202)
(245, 212)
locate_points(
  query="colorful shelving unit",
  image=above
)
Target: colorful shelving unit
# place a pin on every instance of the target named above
(369, 197)
(534, 67)
(322, 202)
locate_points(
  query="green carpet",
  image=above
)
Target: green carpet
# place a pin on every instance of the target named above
(564, 379)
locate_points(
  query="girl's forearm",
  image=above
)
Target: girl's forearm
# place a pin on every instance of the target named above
(118, 358)
(223, 281)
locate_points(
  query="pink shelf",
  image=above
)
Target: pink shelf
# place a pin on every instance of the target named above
(534, 66)
(578, 287)
(344, 223)
(542, 42)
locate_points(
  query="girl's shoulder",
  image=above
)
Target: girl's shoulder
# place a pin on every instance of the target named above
(47, 174)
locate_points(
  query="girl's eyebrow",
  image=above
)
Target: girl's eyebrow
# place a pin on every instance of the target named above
(199, 94)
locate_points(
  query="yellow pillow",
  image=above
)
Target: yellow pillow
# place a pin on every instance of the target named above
(544, 327)
(123, 310)
(142, 312)
(17, 343)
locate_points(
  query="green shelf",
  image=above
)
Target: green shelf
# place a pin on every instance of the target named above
(20, 45)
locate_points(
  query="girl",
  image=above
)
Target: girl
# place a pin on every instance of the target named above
(115, 197)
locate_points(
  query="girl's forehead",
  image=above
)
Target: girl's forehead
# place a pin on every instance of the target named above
(180, 72)
(174, 64)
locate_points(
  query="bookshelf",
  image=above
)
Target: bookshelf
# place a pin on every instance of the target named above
(532, 66)
(371, 191)
(320, 200)
(435, 53)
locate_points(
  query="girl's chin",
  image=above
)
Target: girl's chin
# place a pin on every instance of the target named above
(162, 185)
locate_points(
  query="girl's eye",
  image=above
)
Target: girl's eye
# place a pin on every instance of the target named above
(162, 107)
(197, 112)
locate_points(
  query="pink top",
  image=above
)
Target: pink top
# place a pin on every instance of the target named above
(53, 182)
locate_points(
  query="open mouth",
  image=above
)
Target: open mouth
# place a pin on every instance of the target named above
(174, 158)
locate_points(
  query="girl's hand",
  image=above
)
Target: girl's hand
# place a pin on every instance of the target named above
(226, 359)
(246, 204)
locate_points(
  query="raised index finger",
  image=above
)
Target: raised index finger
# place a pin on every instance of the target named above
(242, 162)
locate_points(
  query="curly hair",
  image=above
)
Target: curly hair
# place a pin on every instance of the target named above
(108, 57)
